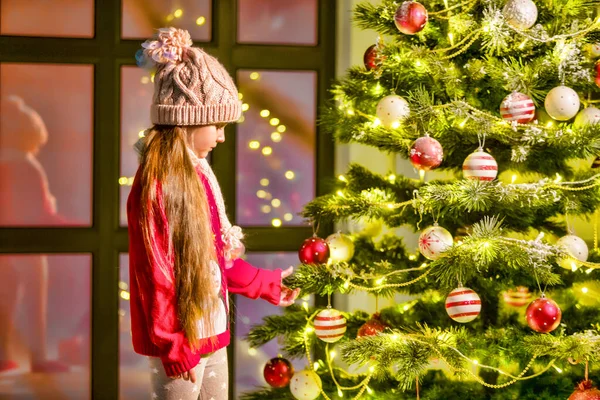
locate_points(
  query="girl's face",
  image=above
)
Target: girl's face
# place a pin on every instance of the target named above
(205, 138)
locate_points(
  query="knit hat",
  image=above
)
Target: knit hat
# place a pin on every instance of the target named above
(21, 127)
(190, 86)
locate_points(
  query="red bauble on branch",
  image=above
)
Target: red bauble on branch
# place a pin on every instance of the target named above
(543, 315)
(426, 153)
(314, 250)
(598, 74)
(278, 372)
(372, 327)
(410, 17)
(585, 391)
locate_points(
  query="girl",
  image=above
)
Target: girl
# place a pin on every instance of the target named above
(183, 252)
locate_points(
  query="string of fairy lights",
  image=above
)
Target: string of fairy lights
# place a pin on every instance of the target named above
(270, 204)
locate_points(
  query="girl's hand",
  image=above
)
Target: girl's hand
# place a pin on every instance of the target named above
(287, 295)
(187, 376)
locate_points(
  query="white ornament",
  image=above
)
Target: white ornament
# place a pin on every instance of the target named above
(520, 14)
(434, 241)
(341, 247)
(330, 325)
(391, 110)
(305, 385)
(562, 103)
(587, 116)
(463, 305)
(576, 247)
(481, 166)
(517, 107)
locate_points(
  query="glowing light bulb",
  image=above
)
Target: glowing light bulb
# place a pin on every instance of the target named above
(123, 180)
(245, 107)
(254, 76)
(560, 371)
(267, 151)
(254, 144)
(281, 128)
(265, 113)
(392, 178)
(376, 122)
(275, 203)
(201, 21)
(142, 134)
(240, 95)
(309, 329)
(584, 290)
(475, 362)
(332, 354)
(252, 351)
(264, 182)
(395, 124)
(290, 175)
(266, 209)
(288, 217)
(513, 178)
(412, 257)
(316, 366)
(276, 137)
(274, 121)
(276, 222)
(380, 281)
(261, 194)
(340, 193)
(125, 295)
(451, 38)
(178, 13)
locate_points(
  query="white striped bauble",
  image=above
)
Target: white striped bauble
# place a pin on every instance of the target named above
(463, 305)
(481, 166)
(330, 325)
(517, 107)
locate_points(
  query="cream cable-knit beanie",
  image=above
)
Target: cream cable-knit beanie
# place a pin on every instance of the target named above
(190, 86)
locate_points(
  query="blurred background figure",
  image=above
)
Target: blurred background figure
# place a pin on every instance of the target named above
(25, 200)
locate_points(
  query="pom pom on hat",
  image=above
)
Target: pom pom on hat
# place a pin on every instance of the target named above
(169, 46)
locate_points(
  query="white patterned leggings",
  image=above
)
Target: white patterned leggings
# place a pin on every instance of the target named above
(212, 380)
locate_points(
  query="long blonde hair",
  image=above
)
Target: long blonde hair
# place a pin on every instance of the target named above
(167, 167)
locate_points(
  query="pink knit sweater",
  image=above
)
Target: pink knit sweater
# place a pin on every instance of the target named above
(155, 328)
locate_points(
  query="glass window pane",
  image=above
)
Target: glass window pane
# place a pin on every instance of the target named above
(141, 18)
(276, 21)
(45, 318)
(275, 146)
(134, 374)
(249, 364)
(58, 18)
(136, 97)
(46, 144)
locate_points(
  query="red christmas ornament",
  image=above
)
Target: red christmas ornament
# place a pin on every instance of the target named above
(543, 315)
(371, 58)
(278, 372)
(372, 327)
(410, 17)
(585, 391)
(517, 107)
(598, 74)
(426, 153)
(314, 250)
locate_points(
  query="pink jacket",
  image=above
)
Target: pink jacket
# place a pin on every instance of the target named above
(155, 328)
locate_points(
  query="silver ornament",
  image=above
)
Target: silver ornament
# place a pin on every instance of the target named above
(520, 14)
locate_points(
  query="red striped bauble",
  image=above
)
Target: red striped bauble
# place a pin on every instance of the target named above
(463, 305)
(330, 325)
(481, 166)
(517, 107)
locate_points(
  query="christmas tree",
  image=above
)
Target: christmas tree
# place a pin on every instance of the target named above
(504, 294)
